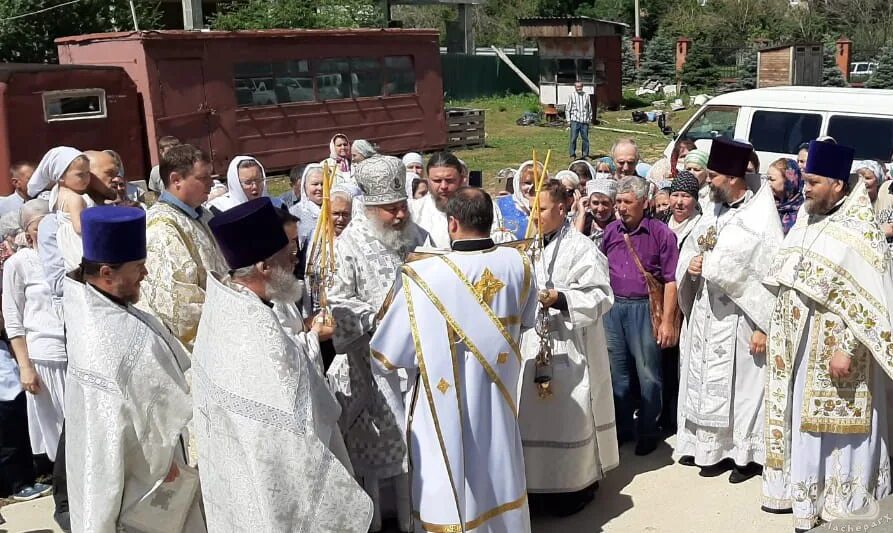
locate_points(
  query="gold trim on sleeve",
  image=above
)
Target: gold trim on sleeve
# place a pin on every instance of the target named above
(385, 362)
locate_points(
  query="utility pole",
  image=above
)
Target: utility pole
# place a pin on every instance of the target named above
(638, 34)
(192, 15)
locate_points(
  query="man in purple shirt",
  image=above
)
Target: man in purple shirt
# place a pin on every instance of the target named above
(633, 350)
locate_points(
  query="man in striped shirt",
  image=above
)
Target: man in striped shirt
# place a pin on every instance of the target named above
(579, 114)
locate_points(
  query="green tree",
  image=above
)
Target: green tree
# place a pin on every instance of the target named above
(883, 76)
(659, 61)
(699, 71)
(28, 38)
(271, 14)
(628, 70)
(747, 71)
(831, 75)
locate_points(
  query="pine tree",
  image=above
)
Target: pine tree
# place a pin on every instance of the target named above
(883, 75)
(747, 71)
(659, 62)
(700, 71)
(831, 75)
(628, 66)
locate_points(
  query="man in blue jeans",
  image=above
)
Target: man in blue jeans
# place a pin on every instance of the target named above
(579, 114)
(628, 242)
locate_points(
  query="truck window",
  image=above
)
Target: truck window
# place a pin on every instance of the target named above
(713, 122)
(75, 104)
(871, 137)
(400, 73)
(782, 132)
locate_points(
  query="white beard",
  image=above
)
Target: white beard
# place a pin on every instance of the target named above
(284, 287)
(394, 240)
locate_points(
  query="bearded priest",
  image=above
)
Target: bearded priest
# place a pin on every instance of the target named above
(720, 274)
(457, 319)
(830, 353)
(369, 254)
(569, 434)
(126, 401)
(264, 418)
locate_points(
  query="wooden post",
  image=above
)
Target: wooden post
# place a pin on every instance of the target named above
(638, 50)
(683, 45)
(843, 56)
(192, 15)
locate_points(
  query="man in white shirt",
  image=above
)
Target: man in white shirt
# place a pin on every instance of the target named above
(19, 175)
(579, 114)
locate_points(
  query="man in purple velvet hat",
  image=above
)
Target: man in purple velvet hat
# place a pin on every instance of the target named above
(830, 352)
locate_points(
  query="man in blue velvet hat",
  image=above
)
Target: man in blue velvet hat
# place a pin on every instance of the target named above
(830, 352)
(127, 401)
(720, 273)
(271, 454)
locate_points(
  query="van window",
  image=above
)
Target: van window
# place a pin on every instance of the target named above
(713, 122)
(75, 104)
(871, 137)
(775, 131)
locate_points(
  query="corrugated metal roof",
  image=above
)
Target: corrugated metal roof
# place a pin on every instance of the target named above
(248, 34)
(8, 69)
(564, 20)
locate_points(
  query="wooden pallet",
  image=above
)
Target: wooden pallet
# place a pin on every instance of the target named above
(465, 128)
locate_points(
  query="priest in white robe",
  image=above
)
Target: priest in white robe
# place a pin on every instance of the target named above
(264, 420)
(569, 434)
(445, 177)
(457, 319)
(830, 353)
(720, 273)
(369, 254)
(127, 401)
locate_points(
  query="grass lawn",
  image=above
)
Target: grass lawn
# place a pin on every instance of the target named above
(508, 145)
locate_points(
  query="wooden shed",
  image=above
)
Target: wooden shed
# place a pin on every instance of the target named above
(791, 64)
(279, 95)
(578, 48)
(42, 106)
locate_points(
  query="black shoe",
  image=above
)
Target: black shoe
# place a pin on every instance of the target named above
(776, 511)
(716, 470)
(742, 473)
(645, 446)
(687, 460)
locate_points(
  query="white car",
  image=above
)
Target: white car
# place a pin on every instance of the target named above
(862, 69)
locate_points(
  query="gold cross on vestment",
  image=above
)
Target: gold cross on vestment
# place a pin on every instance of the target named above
(487, 287)
(443, 386)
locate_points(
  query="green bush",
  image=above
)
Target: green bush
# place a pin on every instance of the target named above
(883, 75)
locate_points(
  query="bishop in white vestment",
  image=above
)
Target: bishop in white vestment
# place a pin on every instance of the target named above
(457, 320)
(127, 401)
(720, 273)
(569, 435)
(830, 353)
(369, 253)
(265, 421)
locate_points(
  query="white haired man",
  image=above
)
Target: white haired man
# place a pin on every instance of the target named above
(369, 254)
(625, 154)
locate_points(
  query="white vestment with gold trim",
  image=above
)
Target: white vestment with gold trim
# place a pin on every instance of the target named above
(457, 319)
(570, 438)
(425, 213)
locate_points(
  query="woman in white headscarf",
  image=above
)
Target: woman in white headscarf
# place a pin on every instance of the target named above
(414, 163)
(246, 180)
(307, 210)
(36, 335)
(515, 209)
(339, 159)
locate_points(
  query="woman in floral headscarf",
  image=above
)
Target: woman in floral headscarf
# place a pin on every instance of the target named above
(787, 186)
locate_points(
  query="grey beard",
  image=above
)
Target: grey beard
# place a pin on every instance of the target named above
(392, 239)
(719, 196)
(283, 287)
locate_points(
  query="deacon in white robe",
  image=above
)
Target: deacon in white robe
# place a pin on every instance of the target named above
(126, 401)
(445, 176)
(830, 353)
(265, 421)
(368, 254)
(569, 435)
(720, 273)
(457, 319)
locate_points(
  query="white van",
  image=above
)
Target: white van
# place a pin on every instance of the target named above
(778, 120)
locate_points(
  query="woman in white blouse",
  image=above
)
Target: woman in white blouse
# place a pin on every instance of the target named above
(37, 336)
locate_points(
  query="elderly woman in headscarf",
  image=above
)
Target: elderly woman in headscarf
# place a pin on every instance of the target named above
(362, 149)
(601, 193)
(245, 180)
(307, 210)
(786, 183)
(696, 162)
(605, 168)
(873, 174)
(339, 158)
(36, 335)
(414, 163)
(515, 209)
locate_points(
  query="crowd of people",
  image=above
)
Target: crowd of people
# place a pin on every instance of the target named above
(400, 344)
